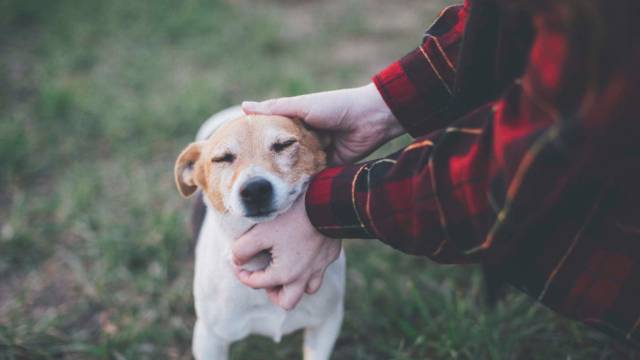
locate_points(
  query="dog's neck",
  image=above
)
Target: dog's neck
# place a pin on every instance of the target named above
(231, 226)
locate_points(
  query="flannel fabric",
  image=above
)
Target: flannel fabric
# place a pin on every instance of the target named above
(526, 157)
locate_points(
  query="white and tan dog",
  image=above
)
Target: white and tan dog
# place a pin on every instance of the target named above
(251, 169)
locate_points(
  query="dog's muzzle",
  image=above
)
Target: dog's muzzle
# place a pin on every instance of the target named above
(257, 197)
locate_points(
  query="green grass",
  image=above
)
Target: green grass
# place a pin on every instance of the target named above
(96, 100)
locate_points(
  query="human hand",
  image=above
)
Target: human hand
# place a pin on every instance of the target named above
(300, 255)
(358, 119)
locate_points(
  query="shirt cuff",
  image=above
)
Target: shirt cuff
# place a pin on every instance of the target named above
(331, 202)
(417, 89)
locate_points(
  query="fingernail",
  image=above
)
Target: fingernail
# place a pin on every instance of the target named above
(250, 106)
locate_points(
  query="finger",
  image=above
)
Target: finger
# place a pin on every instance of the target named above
(248, 246)
(314, 283)
(258, 279)
(291, 294)
(272, 294)
(289, 106)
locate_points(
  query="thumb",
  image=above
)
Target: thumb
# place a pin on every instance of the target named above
(246, 247)
(296, 106)
(291, 294)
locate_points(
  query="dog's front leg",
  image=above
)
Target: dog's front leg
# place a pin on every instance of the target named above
(319, 341)
(208, 346)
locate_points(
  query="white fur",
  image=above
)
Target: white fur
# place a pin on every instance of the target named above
(227, 310)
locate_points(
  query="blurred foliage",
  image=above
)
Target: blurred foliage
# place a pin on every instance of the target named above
(96, 100)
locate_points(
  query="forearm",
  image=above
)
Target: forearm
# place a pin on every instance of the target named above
(428, 199)
(470, 191)
(370, 106)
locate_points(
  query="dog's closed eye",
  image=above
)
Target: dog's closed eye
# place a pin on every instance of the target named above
(224, 158)
(282, 145)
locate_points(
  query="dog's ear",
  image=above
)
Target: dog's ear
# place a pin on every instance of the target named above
(185, 169)
(323, 136)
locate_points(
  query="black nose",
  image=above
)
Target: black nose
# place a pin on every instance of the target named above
(256, 194)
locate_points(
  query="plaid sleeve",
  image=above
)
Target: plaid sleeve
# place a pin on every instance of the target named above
(465, 192)
(428, 199)
(418, 87)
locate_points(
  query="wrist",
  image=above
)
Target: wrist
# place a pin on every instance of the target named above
(377, 112)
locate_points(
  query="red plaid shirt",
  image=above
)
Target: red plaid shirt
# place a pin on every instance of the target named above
(526, 156)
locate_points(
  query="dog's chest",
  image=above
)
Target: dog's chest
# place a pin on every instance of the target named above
(231, 309)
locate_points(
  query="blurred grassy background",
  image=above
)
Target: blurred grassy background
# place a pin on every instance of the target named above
(96, 100)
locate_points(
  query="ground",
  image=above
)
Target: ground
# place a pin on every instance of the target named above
(97, 98)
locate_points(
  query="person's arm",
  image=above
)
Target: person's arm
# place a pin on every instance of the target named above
(453, 195)
(468, 192)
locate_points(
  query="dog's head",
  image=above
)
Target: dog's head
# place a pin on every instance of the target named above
(253, 167)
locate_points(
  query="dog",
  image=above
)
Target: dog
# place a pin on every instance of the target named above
(250, 169)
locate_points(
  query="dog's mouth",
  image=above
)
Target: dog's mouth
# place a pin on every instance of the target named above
(260, 214)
